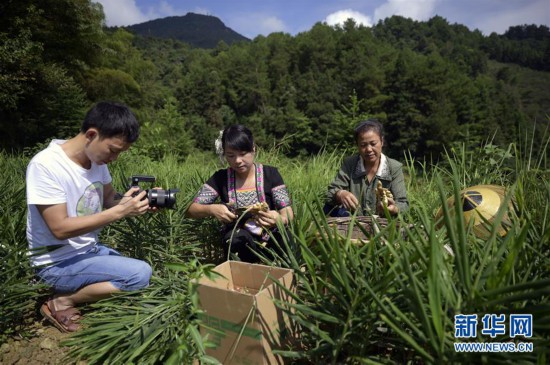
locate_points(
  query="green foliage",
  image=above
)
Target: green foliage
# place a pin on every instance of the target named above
(429, 82)
(109, 84)
(16, 55)
(18, 293)
(50, 21)
(476, 166)
(125, 75)
(348, 119)
(398, 294)
(166, 133)
(151, 327)
(525, 45)
(40, 66)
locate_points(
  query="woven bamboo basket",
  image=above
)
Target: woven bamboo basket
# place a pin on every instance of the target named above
(362, 229)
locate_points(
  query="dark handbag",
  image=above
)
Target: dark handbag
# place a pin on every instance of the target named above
(242, 243)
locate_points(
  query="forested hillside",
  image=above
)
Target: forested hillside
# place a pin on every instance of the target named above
(432, 83)
(204, 31)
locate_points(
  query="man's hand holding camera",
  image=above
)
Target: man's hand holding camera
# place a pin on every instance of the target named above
(157, 197)
(134, 202)
(137, 201)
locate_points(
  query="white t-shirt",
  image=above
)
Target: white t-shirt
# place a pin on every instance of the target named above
(53, 178)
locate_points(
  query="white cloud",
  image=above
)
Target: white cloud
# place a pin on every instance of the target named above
(165, 8)
(250, 25)
(202, 11)
(122, 12)
(534, 13)
(341, 16)
(271, 24)
(414, 9)
(161, 10)
(126, 12)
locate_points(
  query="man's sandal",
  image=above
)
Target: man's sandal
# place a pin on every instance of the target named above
(64, 320)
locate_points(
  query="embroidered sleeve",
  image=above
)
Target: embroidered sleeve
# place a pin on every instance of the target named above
(206, 195)
(281, 197)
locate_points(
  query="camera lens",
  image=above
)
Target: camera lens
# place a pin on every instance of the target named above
(162, 198)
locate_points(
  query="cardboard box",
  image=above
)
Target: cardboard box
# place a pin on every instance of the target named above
(239, 314)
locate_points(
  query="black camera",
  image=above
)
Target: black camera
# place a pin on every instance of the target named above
(157, 197)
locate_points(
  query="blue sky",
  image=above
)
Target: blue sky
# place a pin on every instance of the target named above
(253, 17)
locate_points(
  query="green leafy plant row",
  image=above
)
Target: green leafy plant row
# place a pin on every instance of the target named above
(391, 300)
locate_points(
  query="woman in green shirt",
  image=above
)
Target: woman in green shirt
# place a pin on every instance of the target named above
(355, 185)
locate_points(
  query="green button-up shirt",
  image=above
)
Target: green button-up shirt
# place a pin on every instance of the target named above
(353, 177)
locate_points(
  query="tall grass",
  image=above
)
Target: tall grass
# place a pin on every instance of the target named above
(392, 300)
(17, 289)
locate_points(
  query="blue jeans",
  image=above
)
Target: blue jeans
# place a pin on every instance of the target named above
(335, 211)
(99, 264)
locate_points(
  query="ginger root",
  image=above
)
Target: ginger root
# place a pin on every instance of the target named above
(382, 194)
(258, 207)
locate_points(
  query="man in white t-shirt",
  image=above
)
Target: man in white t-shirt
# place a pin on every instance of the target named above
(70, 198)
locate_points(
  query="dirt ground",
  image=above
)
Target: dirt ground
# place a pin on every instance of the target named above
(42, 349)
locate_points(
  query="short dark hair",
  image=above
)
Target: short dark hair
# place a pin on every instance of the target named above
(238, 137)
(112, 120)
(369, 125)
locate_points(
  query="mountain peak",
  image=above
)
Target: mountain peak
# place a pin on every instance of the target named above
(202, 31)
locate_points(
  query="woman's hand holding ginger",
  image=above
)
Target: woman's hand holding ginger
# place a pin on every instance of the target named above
(267, 219)
(222, 213)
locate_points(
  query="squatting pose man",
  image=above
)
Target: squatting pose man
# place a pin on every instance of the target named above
(70, 198)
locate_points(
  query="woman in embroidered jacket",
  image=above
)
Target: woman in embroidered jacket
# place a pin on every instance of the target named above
(355, 185)
(243, 184)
